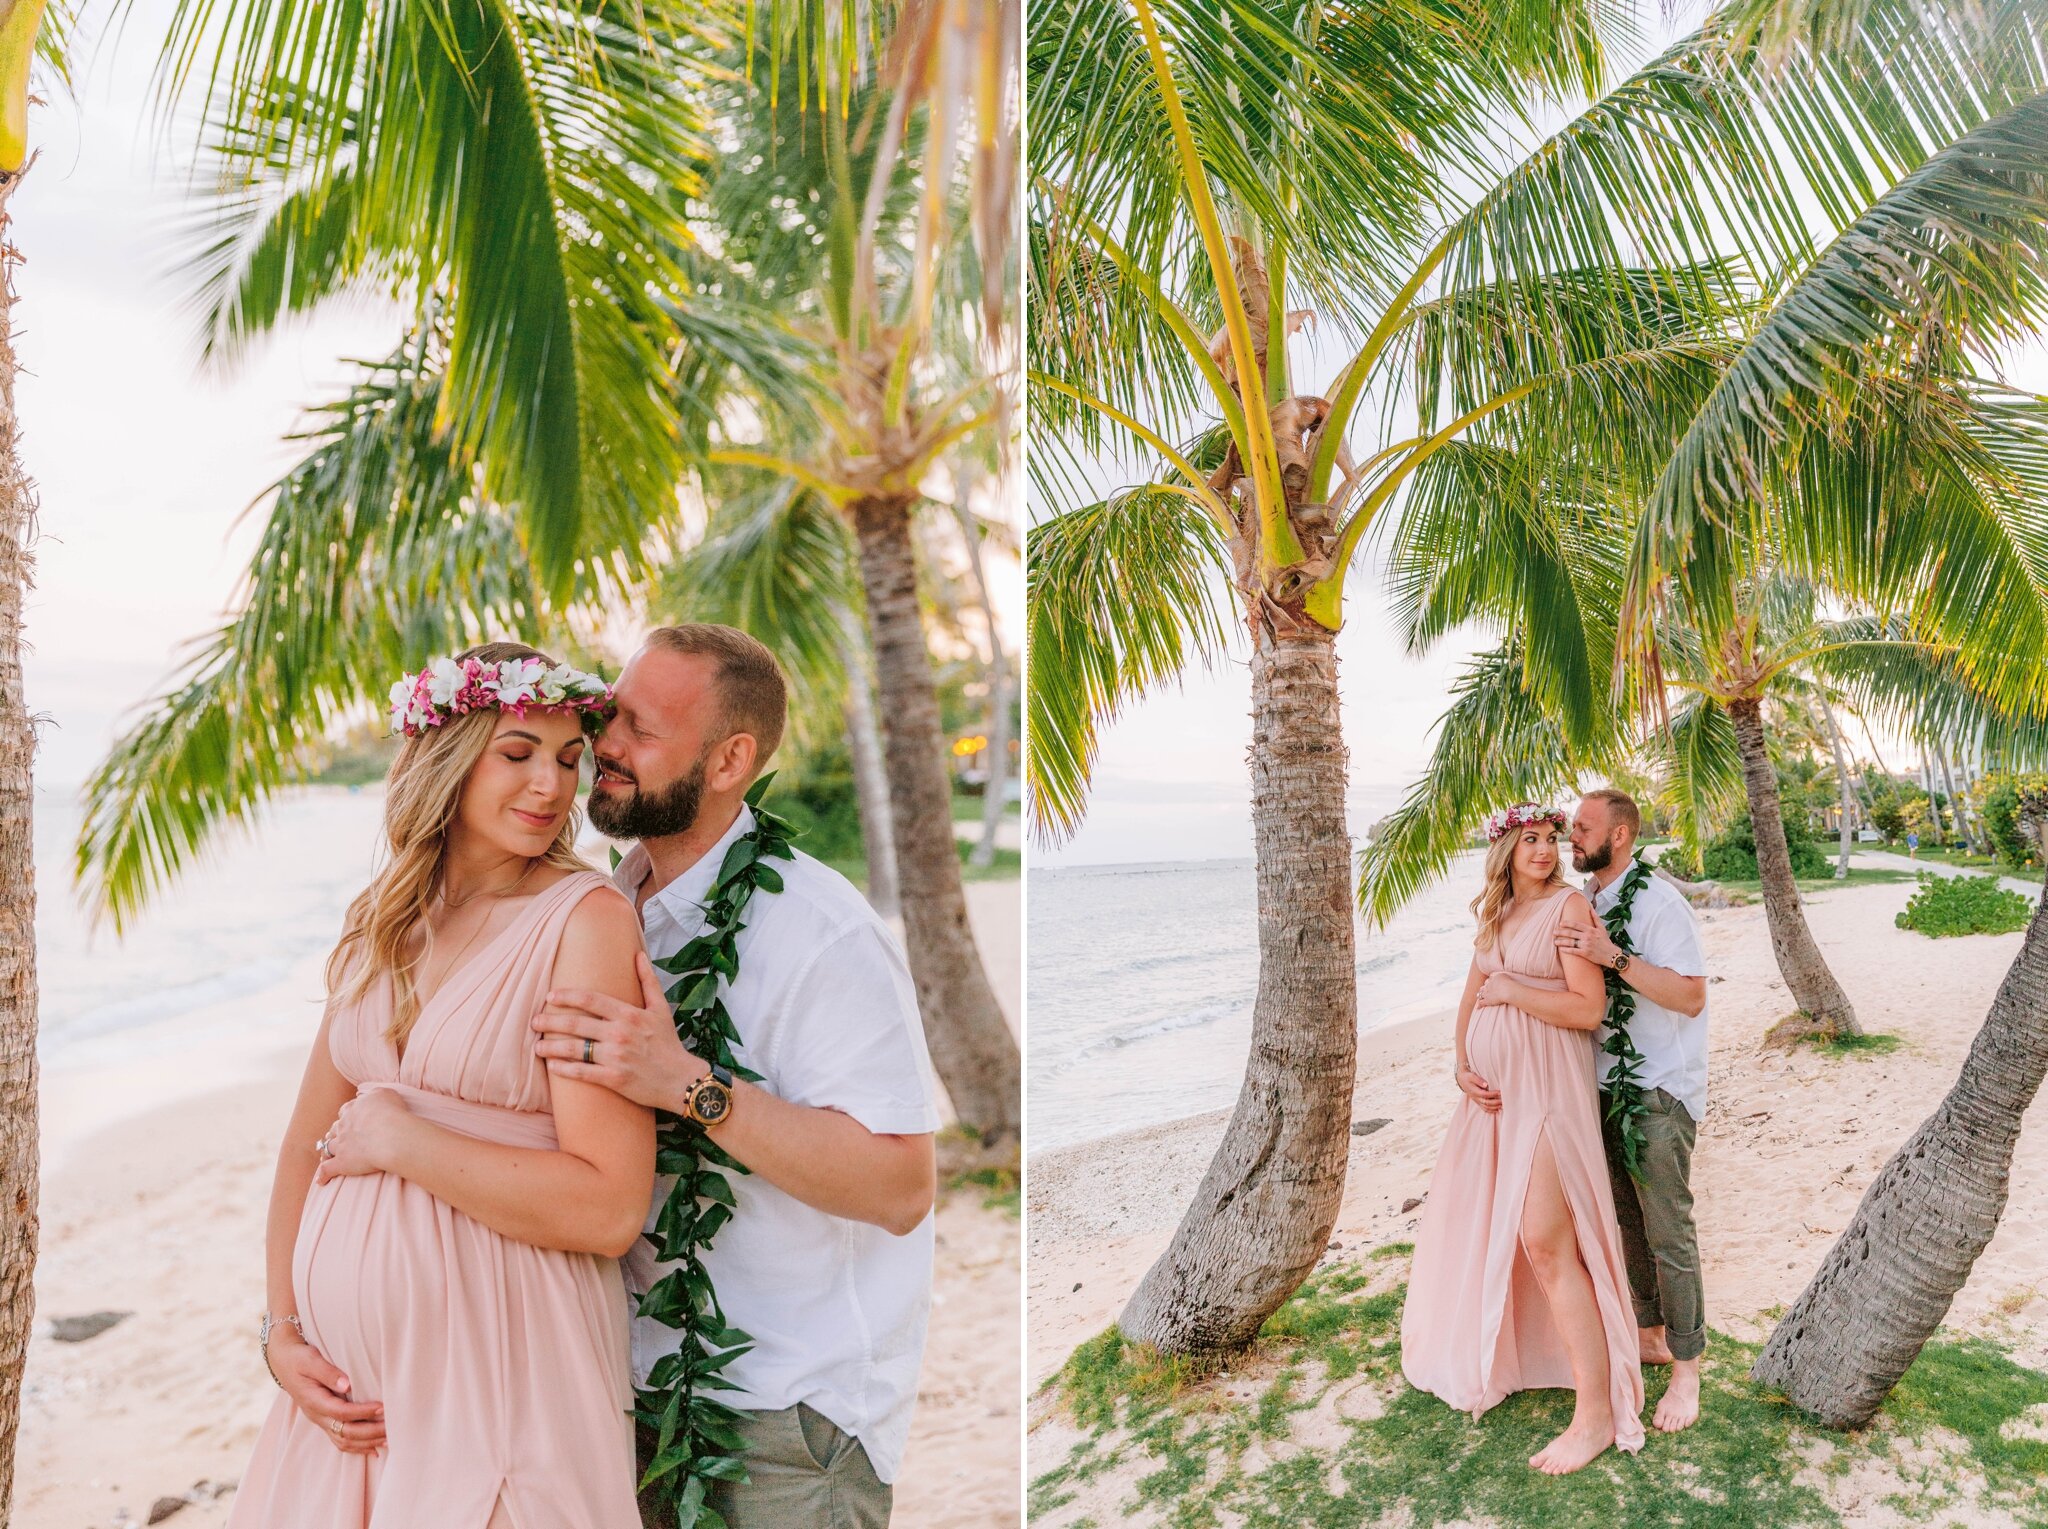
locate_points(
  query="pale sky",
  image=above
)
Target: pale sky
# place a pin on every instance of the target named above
(143, 464)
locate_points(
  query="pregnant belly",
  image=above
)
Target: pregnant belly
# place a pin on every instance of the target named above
(369, 1265)
(1507, 1045)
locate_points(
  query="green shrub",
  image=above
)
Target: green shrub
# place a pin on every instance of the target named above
(1952, 905)
(815, 792)
(1680, 863)
(2002, 817)
(1888, 813)
(1731, 854)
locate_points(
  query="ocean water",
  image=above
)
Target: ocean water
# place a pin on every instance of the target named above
(260, 903)
(1141, 979)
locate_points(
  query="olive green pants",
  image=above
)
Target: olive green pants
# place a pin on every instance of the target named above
(1658, 1240)
(803, 1472)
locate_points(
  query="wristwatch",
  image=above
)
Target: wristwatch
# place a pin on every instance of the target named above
(709, 1100)
(1621, 960)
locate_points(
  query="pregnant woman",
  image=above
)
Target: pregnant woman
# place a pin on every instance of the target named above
(1518, 1279)
(447, 1319)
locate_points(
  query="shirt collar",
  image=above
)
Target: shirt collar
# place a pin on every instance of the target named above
(687, 894)
(1607, 896)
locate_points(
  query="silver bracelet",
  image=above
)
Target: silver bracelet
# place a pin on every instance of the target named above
(263, 1339)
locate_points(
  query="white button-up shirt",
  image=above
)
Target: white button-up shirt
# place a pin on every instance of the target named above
(827, 1015)
(1674, 1048)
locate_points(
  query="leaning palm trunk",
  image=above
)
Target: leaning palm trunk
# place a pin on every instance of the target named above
(1889, 1279)
(1824, 1008)
(992, 803)
(864, 754)
(972, 1048)
(1955, 802)
(19, 1166)
(1842, 779)
(1263, 1213)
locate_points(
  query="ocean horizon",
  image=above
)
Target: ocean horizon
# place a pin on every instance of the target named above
(1143, 976)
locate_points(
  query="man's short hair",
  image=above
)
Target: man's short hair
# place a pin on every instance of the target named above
(751, 686)
(1621, 807)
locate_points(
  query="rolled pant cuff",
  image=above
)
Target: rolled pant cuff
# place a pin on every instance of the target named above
(1687, 1345)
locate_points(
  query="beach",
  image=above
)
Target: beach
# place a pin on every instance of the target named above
(1790, 1142)
(160, 1129)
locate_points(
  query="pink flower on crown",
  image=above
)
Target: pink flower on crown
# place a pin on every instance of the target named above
(447, 689)
(1521, 815)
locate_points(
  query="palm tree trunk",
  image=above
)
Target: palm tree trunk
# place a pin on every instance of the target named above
(1948, 784)
(1888, 1281)
(20, 1165)
(870, 781)
(972, 1048)
(1263, 1213)
(992, 802)
(1841, 780)
(1824, 1008)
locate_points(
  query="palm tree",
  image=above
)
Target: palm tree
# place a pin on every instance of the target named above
(31, 41)
(843, 204)
(1888, 1280)
(1704, 256)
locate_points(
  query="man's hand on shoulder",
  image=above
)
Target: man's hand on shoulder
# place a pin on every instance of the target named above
(634, 1049)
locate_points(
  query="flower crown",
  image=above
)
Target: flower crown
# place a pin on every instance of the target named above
(452, 688)
(1521, 815)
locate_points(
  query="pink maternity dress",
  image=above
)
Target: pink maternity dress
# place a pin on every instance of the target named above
(503, 1367)
(1477, 1325)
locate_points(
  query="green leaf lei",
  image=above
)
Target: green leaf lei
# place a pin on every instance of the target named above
(1623, 1087)
(695, 1441)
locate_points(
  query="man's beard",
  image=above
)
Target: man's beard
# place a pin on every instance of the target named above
(1595, 860)
(650, 815)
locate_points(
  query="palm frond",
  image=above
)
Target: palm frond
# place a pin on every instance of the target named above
(1120, 597)
(1495, 745)
(376, 555)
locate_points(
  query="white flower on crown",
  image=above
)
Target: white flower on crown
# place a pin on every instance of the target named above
(515, 678)
(445, 681)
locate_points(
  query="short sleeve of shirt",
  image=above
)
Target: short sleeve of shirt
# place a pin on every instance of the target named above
(1673, 939)
(851, 1040)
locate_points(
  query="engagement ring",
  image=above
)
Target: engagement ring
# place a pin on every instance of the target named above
(320, 1147)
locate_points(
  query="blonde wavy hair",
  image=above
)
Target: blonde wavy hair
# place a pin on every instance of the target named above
(420, 798)
(1497, 891)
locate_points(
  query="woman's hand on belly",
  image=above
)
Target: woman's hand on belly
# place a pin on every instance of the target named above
(366, 1137)
(1478, 1090)
(1499, 988)
(320, 1391)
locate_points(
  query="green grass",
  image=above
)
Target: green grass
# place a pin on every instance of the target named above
(1008, 866)
(967, 809)
(1853, 1045)
(1188, 1431)
(1859, 876)
(999, 1186)
(1956, 857)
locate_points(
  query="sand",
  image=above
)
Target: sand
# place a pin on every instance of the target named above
(1790, 1142)
(158, 1161)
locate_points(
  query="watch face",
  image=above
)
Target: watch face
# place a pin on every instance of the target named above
(712, 1103)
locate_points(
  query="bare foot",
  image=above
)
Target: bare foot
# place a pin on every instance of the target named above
(1679, 1408)
(1655, 1349)
(1574, 1449)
